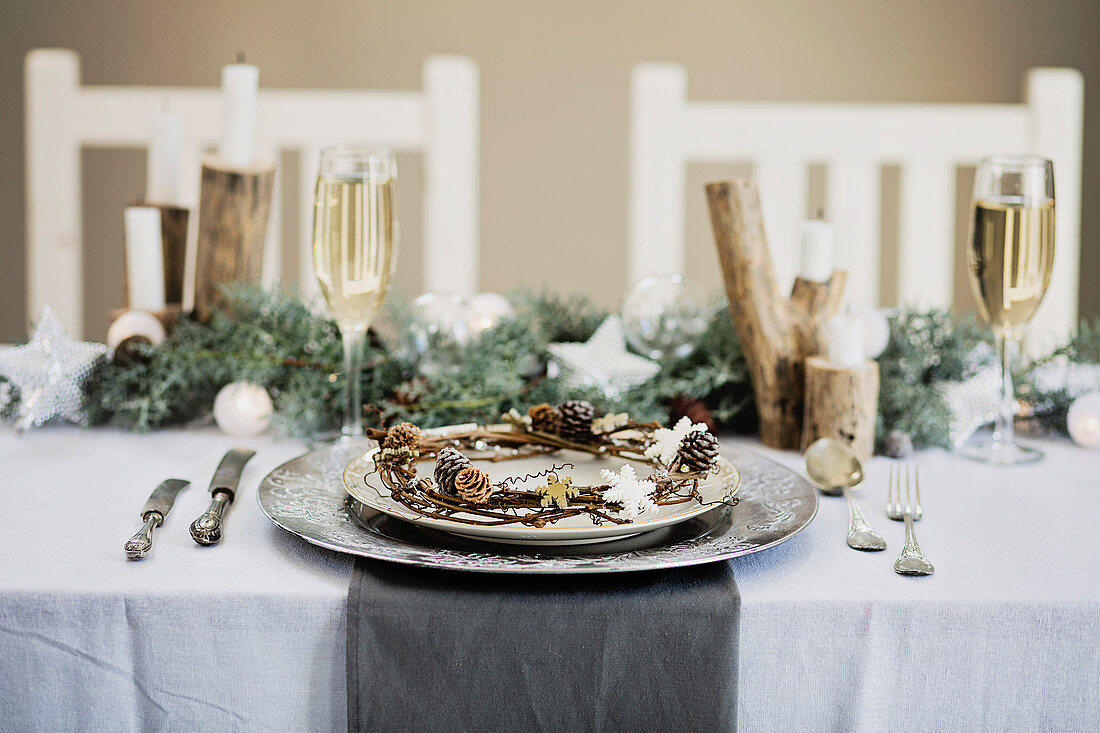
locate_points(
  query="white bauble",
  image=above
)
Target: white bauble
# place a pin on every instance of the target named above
(243, 408)
(135, 324)
(1083, 420)
(490, 309)
(876, 330)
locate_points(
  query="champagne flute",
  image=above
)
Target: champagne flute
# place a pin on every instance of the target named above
(1010, 257)
(355, 250)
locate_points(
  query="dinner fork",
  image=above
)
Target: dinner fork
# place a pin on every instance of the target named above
(911, 561)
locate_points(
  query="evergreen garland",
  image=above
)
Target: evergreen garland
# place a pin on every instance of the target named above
(274, 340)
(925, 349)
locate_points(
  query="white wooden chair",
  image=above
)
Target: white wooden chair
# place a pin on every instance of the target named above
(853, 141)
(441, 121)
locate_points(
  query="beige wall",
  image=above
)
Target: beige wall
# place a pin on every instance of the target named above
(554, 99)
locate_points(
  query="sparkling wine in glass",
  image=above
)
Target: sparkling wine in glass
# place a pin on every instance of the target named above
(1011, 256)
(355, 250)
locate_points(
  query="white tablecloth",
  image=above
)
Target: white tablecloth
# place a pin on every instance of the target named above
(249, 635)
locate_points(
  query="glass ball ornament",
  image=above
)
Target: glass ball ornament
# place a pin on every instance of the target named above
(665, 315)
(443, 324)
(1083, 420)
(243, 409)
(490, 309)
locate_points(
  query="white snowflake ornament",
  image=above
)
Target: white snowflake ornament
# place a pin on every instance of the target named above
(629, 491)
(666, 441)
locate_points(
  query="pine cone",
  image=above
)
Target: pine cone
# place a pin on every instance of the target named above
(130, 351)
(897, 444)
(473, 485)
(405, 435)
(448, 464)
(576, 420)
(544, 418)
(698, 451)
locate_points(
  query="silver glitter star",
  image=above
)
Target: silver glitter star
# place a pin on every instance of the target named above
(972, 403)
(603, 361)
(49, 373)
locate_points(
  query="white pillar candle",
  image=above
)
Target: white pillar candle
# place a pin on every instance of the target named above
(239, 85)
(818, 237)
(163, 169)
(845, 343)
(144, 258)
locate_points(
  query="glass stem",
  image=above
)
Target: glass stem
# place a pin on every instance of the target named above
(353, 361)
(1004, 434)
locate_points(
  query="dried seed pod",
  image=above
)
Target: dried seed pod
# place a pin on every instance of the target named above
(897, 444)
(545, 418)
(448, 464)
(693, 409)
(576, 420)
(473, 485)
(698, 451)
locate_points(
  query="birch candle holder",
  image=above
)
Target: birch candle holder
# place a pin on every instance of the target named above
(776, 333)
(841, 403)
(234, 203)
(173, 233)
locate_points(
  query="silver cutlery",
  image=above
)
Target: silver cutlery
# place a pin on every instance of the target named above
(835, 469)
(207, 529)
(911, 561)
(153, 513)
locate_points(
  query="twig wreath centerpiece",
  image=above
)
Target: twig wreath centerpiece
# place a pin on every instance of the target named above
(679, 459)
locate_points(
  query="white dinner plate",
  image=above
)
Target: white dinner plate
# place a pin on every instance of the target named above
(363, 483)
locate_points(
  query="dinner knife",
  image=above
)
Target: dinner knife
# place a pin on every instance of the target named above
(153, 513)
(207, 529)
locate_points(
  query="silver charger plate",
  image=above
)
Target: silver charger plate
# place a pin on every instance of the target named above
(305, 496)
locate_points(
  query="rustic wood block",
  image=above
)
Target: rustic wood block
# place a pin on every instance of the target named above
(841, 403)
(233, 208)
(776, 334)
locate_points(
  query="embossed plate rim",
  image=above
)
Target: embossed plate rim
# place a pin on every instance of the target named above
(305, 497)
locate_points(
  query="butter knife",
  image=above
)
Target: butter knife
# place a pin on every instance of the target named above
(207, 529)
(153, 513)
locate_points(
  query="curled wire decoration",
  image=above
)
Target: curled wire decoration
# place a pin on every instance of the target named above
(515, 480)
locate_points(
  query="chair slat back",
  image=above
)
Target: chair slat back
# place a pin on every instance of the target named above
(441, 121)
(853, 142)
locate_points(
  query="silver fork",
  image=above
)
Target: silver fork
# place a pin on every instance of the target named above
(911, 561)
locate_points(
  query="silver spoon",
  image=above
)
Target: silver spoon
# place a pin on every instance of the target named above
(836, 469)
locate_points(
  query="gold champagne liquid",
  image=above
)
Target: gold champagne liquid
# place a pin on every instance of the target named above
(353, 245)
(1011, 256)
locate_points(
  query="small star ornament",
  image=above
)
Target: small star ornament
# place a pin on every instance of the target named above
(49, 372)
(972, 403)
(603, 361)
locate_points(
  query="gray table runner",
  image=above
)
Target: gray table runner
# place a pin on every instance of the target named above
(432, 650)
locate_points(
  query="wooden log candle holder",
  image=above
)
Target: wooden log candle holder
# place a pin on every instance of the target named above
(234, 203)
(841, 403)
(776, 334)
(173, 233)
